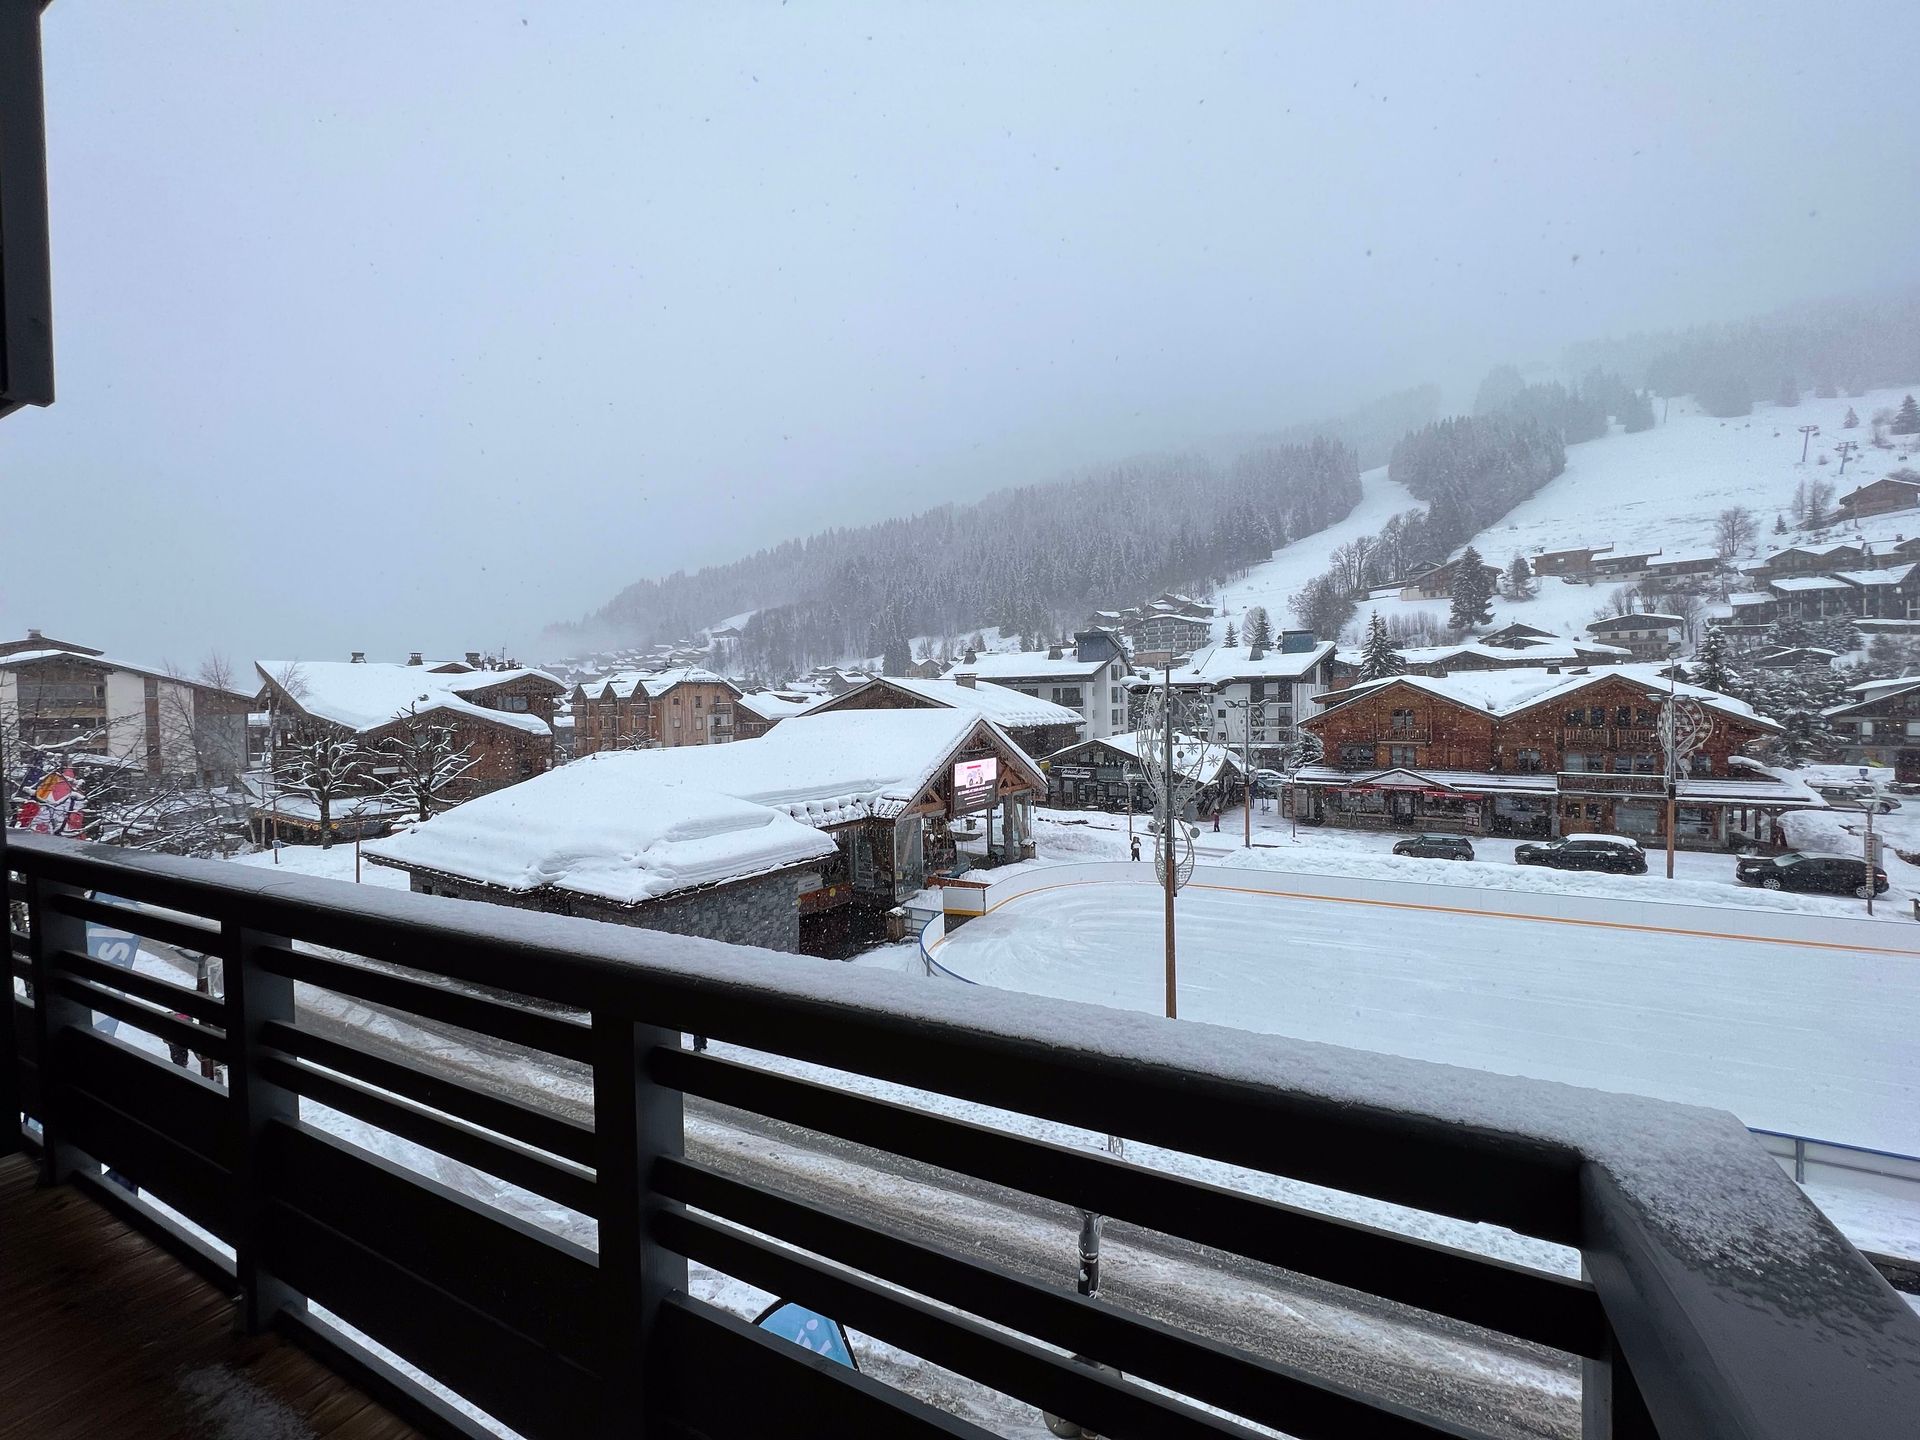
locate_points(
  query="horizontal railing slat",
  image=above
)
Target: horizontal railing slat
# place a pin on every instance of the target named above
(180, 998)
(1530, 1304)
(537, 1128)
(200, 1039)
(511, 1023)
(1215, 1375)
(1000, 1361)
(202, 937)
(557, 1180)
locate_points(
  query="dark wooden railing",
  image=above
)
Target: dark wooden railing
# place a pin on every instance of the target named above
(1720, 1303)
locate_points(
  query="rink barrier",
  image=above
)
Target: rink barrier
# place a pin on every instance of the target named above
(1651, 914)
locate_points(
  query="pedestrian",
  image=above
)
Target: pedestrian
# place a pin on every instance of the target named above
(1136, 847)
(1216, 819)
(1779, 835)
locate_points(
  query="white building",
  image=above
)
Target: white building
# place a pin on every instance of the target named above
(1255, 694)
(1090, 679)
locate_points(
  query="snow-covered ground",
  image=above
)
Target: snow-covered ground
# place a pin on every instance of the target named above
(334, 863)
(1660, 489)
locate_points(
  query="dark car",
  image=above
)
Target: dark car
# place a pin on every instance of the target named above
(1806, 870)
(1435, 847)
(1615, 853)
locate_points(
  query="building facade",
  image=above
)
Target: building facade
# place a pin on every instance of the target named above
(1089, 679)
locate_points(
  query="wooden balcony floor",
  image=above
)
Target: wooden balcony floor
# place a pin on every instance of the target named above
(103, 1334)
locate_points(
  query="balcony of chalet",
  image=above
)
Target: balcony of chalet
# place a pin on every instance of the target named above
(345, 1234)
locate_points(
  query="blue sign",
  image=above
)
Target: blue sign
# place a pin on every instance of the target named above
(118, 948)
(808, 1329)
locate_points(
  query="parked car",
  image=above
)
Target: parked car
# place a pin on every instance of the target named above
(1435, 847)
(1808, 870)
(1615, 853)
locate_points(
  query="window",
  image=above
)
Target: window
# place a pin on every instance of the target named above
(1913, 727)
(1403, 720)
(1576, 761)
(1356, 757)
(1700, 765)
(1528, 760)
(1576, 717)
(1622, 764)
(1643, 718)
(1646, 765)
(515, 703)
(1866, 730)
(1597, 716)
(1403, 754)
(1623, 715)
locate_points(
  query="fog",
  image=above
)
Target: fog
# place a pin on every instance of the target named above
(393, 327)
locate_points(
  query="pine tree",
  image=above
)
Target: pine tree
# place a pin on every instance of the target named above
(1852, 422)
(1710, 665)
(1779, 524)
(1789, 395)
(1519, 579)
(1471, 592)
(1906, 420)
(1636, 412)
(1259, 628)
(1378, 658)
(1232, 639)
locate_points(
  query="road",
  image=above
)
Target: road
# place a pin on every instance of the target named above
(1501, 1386)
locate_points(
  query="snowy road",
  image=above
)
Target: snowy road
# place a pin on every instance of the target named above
(1817, 1042)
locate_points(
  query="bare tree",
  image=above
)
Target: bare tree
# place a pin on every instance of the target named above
(325, 769)
(1819, 504)
(1734, 531)
(429, 763)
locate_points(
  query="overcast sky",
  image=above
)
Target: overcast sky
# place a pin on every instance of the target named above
(416, 325)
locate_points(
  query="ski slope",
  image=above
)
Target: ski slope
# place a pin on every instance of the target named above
(1658, 490)
(1811, 1041)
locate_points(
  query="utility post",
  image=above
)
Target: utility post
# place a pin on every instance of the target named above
(1846, 450)
(1871, 802)
(1807, 432)
(1672, 748)
(1167, 841)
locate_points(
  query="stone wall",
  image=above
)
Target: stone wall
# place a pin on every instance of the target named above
(764, 911)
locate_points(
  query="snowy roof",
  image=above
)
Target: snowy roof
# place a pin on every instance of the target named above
(1024, 665)
(1531, 652)
(661, 681)
(1749, 597)
(1193, 757)
(604, 826)
(832, 769)
(1399, 777)
(366, 695)
(998, 703)
(1637, 620)
(1224, 663)
(1870, 687)
(1882, 690)
(94, 657)
(770, 705)
(1808, 582)
(1686, 557)
(1892, 575)
(1507, 692)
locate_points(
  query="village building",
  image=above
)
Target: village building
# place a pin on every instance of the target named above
(1647, 636)
(1880, 725)
(1037, 726)
(893, 789)
(927, 669)
(501, 720)
(1089, 678)
(1435, 582)
(1793, 657)
(1106, 774)
(1537, 753)
(56, 697)
(1255, 695)
(1169, 633)
(643, 709)
(606, 840)
(758, 711)
(1484, 655)
(1516, 636)
(1575, 563)
(1898, 491)
(1617, 566)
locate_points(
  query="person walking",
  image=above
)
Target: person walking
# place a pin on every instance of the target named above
(1136, 847)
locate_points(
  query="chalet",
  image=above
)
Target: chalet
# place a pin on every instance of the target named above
(1469, 655)
(1256, 694)
(605, 839)
(758, 711)
(501, 719)
(1898, 491)
(1887, 593)
(1793, 657)
(1089, 679)
(1683, 566)
(1435, 582)
(1813, 597)
(1575, 563)
(927, 669)
(1516, 636)
(1810, 560)
(1037, 726)
(143, 721)
(1622, 564)
(1880, 725)
(1106, 775)
(892, 789)
(642, 709)
(1536, 753)
(1648, 636)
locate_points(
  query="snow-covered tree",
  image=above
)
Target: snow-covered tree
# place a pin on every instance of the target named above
(1519, 579)
(1378, 658)
(1259, 627)
(1232, 638)
(1906, 420)
(1779, 524)
(1852, 422)
(1819, 504)
(1322, 605)
(430, 763)
(1637, 412)
(1471, 592)
(1710, 665)
(325, 769)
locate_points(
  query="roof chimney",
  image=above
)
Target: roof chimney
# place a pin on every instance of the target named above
(33, 634)
(1053, 652)
(359, 657)
(967, 680)
(473, 659)
(1257, 652)
(1553, 669)
(413, 658)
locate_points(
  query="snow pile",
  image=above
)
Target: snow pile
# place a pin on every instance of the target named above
(604, 827)
(365, 695)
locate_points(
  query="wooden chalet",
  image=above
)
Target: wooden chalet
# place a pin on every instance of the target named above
(1106, 774)
(1898, 491)
(1535, 754)
(1880, 725)
(1037, 726)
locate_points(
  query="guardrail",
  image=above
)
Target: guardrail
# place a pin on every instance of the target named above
(1886, 1171)
(1721, 1304)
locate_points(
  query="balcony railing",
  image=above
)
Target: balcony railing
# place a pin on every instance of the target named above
(1721, 1304)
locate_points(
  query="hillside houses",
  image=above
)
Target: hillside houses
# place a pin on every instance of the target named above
(1536, 753)
(1877, 588)
(1646, 635)
(634, 710)
(1898, 491)
(1879, 724)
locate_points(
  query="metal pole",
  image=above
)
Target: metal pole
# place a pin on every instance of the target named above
(1246, 769)
(1673, 754)
(1166, 843)
(1873, 802)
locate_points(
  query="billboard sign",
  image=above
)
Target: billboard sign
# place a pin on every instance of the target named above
(975, 783)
